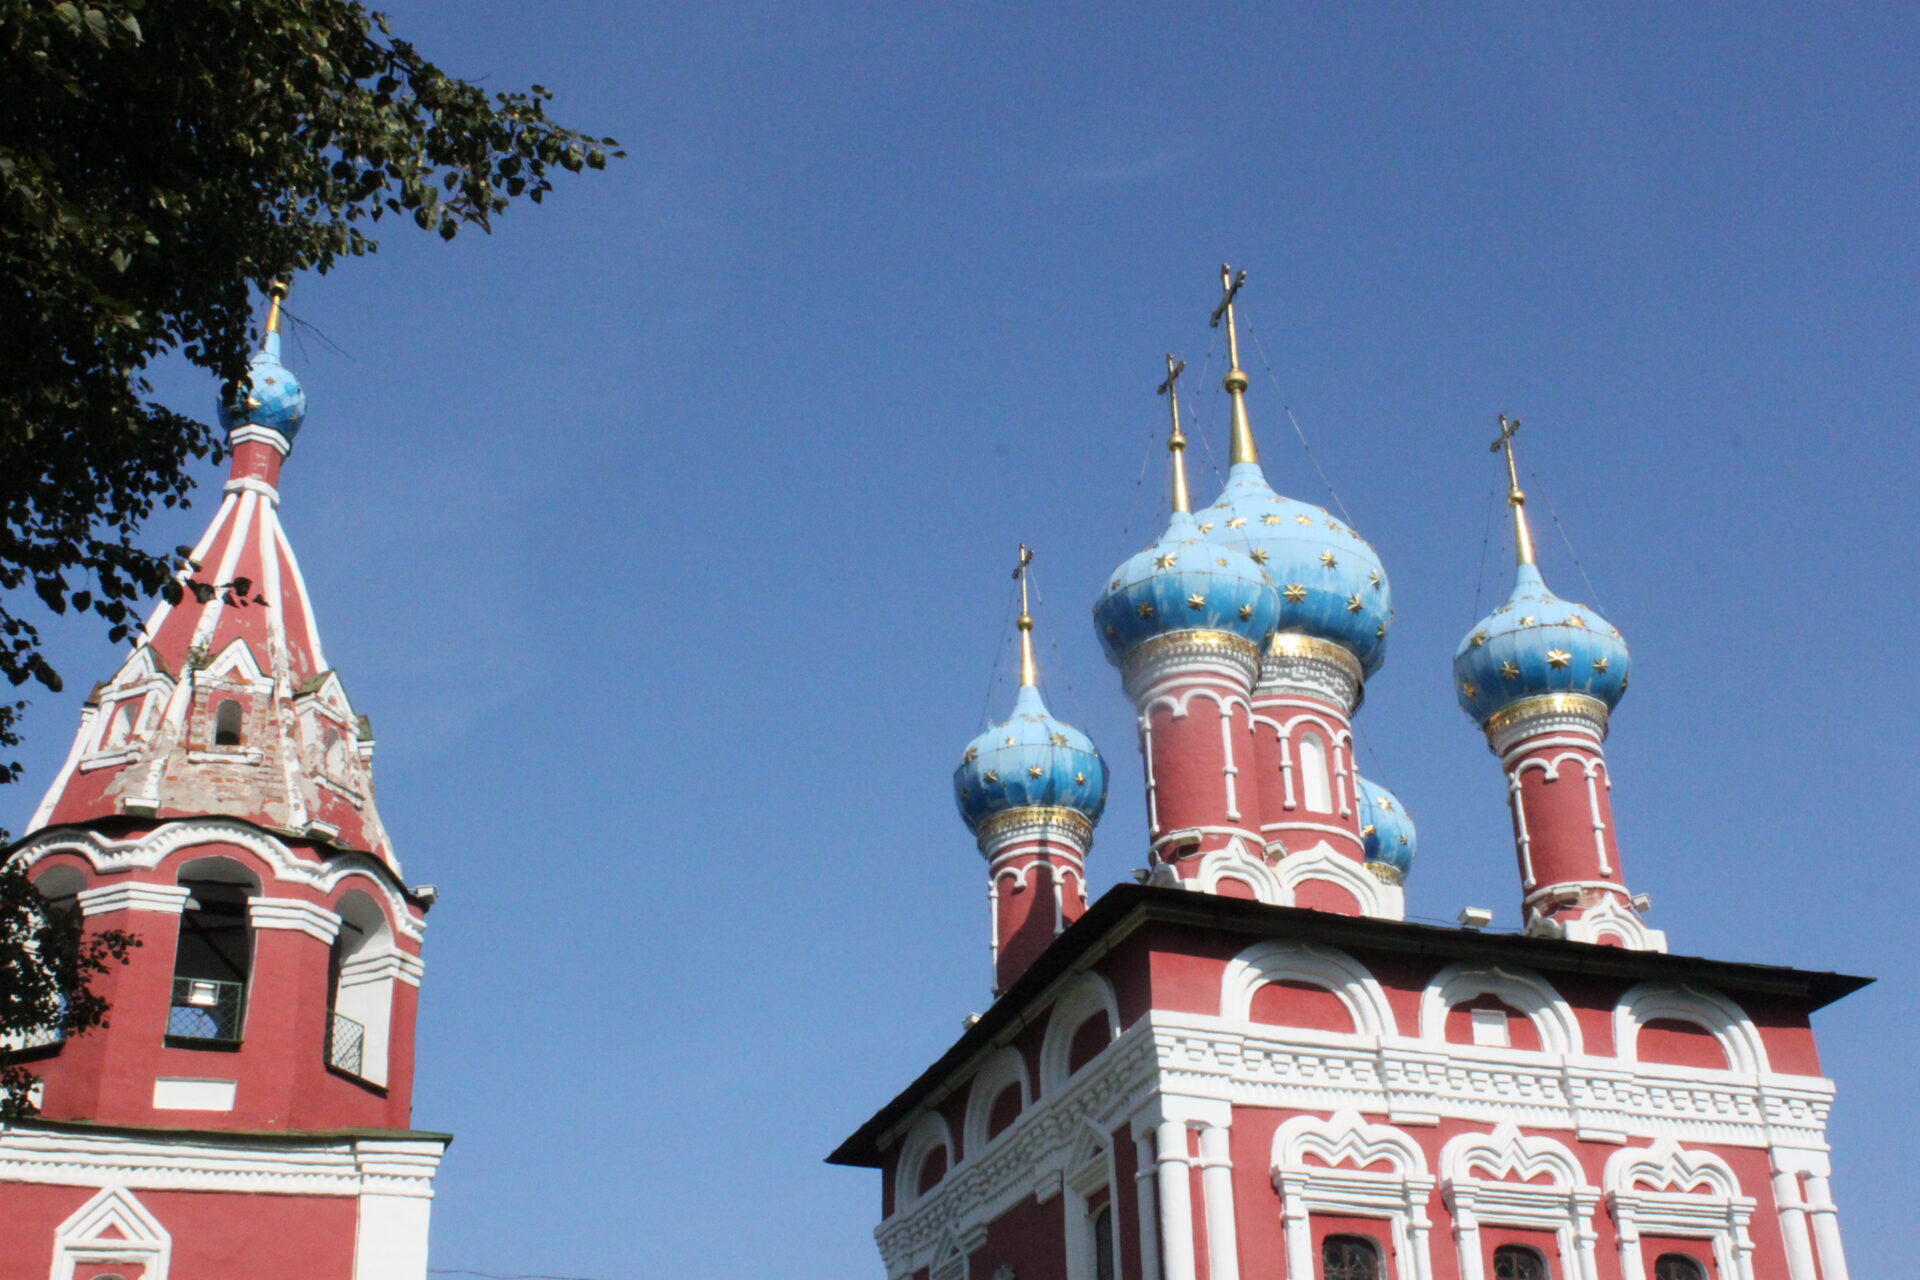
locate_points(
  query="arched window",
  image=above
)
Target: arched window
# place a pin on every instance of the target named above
(1517, 1262)
(932, 1169)
(214, 956)
(1316, 791)
(1678, 1266)
(226, 724)
(1103, 1243)
(362, 973)
(1349, 1258)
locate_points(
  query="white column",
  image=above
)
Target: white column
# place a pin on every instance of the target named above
(1216, 1182)
(1793, 1225)
(396, 1197)
(1826, 1228)
(1143, 1176)
(1176, 1201)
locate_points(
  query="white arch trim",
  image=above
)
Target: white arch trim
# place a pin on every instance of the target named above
(1376, 898)
(928, 1134)
(1180, 704)
(1399, 1195)
(1552, 1017)
(1487, 1179)
(1739, 1038)
(147, 852)
(1350, 982)
(1664, 1189)
(1003, 1067)
(1087, 994)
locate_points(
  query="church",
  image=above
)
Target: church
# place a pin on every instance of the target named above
(1250, 1063)
(248, 1109)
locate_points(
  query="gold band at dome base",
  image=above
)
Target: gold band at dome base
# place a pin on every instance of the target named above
(1384, 873)
(1546, 706)
(1070, 824)
(1201, 646)
(1289, 644)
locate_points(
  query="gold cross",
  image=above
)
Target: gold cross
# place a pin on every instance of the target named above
(1229, 285)
(1028, 675)
(1507, 428)
(1171, 389)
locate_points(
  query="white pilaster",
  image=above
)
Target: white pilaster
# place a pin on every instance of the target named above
(1826, 1228)
(1144, 1173)
(1216, 1182)
(1176, 1201)
(1793, 1225)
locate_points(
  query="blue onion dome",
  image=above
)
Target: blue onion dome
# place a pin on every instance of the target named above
(1185, 582)
(1387, 831)
(1534, 644)
(1332, 585)
(1030, 760)
(272, 396)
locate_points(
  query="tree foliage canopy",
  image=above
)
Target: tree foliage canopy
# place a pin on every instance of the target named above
(159, 164)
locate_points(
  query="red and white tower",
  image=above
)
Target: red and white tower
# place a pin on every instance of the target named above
(248, 1110)
(1541, 677)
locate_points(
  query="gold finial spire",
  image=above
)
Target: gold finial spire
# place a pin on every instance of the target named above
(277, 292)
(1029, 676)
(1176, 443)
(1522, 536)
(1235, 382)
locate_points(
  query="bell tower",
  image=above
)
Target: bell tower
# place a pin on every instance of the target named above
(218, 804)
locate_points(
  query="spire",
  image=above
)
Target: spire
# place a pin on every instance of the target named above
(1176, 443)
(1029, 677)
(1235, 382)
(1522, 536)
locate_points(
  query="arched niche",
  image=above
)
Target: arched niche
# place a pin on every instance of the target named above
(928, 1144)
(1004, 1071)
(1546, 1009)
(364, 966)
(1738, 1039)
(1085, 998)
(1357, 990)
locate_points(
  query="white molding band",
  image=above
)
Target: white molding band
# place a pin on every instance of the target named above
(164, 899)
(292, 913)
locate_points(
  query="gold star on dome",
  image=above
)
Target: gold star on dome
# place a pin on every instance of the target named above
(1276, 498)
(1599, 666)
(1010, 741)
(1111, 630)
(1576, 621)
(1058, 739)
(1385, 803)
(1527, 620)
(1114, 585)
(1034, 771)
(1353, 604)
(1479, 638)
(1328, 559)
(1246, 613)
(1623, 682)
(1222, 562)
(972, 754)
(1269, 518)
(1295, 593)
(1331, 525)
(1368, 830)
(1145, 610)
(1381, 631)
(1509, 670)
(1196, 601)
(1258, 554)
(1467, 689)
(1166, 561)
(1079, 779)
(993, 775)
(965, 794)
(1207, 527)
(1236, 522)
(1403, 839)
(1557, 658)
(1303, 519)
(1373, 577)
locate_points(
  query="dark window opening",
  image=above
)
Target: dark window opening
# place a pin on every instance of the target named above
(1103, 1243)
(1678, 1266)
(1349, 1258)
(1517, 1262)
(211, 965)
(226, 724)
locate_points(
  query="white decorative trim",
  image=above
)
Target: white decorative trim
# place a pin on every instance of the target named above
(131, 895)
(1005, 1066)
(1511, 1195)
(291, 913)
(112, 1228)
(1739, 1039)
(928, 1134)
(321, 1167)
(1375, 898)
(1336, 971)
(186, 1093)
(1400, 1196)
(1552, 1017)
(1607, 918)
(143, 853)
(1084, 995)
(254, 433)
(1656, 1189)
(252, 484)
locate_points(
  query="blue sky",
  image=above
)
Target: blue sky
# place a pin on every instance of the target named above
(666, 533)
